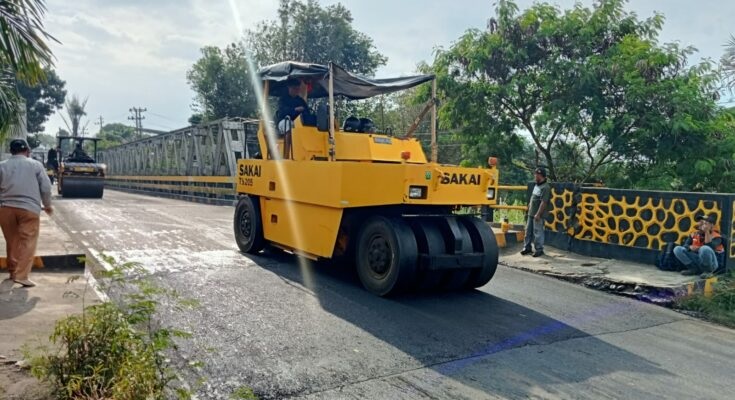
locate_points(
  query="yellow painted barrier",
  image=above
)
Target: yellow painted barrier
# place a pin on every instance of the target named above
(512, 187)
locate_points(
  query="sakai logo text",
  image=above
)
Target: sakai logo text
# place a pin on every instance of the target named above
(249, 170)
(460, 179)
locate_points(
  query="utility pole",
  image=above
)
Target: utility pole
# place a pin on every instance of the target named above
(100, 123)
(138, 118)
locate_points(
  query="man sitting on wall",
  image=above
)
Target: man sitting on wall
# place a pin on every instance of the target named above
(703, 252)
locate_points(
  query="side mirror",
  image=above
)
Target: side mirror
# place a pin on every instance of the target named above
(322, 118)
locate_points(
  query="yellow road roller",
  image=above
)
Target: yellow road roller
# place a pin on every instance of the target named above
(79, 175)
(360, 196)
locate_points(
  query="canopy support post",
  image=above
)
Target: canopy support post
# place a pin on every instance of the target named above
(434, 144)
(331, 112)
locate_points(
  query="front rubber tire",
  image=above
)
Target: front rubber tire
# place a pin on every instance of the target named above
(386, 256)
(248, 225)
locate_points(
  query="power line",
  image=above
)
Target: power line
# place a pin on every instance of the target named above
(160, 126)
(138, 118)
(163, 116)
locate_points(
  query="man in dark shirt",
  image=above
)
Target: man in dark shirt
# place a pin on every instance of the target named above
(52, 159)
(538, 207)
(290, 106)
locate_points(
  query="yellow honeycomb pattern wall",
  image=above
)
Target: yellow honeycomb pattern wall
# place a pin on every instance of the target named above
(562, 200)
(628, 220)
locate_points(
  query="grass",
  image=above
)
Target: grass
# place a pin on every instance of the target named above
(720, 307)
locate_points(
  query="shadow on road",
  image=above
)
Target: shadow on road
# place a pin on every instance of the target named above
(470, 336)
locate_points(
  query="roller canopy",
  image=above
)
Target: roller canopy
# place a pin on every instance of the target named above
(346, 84)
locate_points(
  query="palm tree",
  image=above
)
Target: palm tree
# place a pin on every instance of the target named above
(23, 53)
(75, 109)
(728, 63)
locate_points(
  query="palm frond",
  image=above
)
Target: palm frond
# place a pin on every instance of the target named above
(9, 102)
(23, 39)
(727, 63)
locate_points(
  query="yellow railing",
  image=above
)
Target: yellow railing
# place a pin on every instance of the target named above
(510, 188)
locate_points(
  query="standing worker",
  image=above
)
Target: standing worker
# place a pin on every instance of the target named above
(24, 190)
(537, 211)
(52, 160)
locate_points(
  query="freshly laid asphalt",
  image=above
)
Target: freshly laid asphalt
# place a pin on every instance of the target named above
(297, 330)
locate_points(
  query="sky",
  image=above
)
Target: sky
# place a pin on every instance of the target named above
(135, 53)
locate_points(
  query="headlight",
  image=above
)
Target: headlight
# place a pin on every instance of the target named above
(490, 194)
(417, 192)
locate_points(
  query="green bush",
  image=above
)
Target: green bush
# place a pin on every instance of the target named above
(115, 349)
(720, 307)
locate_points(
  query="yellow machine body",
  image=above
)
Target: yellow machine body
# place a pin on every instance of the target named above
(302, 198)
(360, 197)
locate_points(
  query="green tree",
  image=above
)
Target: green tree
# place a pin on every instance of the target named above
(23, 53)
(42, 99)
(41, 139)
(591, 87)
(75, 111)
(115, 134)
(221, 81)
(308, 32)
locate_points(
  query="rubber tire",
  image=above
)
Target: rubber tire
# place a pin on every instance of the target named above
(398, 238)
(457, 279)
(251, 242)
(483, 240)
(431, 243)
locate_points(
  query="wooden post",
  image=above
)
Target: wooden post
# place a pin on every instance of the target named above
(434, 145)
(331, 112)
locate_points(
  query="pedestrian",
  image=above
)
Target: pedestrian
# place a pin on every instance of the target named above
(538, 207)
(25, 190)
(52, 159)
(703, 253)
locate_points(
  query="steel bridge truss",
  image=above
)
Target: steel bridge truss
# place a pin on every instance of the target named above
(193, 162)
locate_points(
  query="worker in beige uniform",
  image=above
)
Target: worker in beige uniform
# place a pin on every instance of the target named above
(25, 190)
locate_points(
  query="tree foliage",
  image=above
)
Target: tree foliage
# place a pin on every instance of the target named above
(591, 87)
(308, 32)
(115, 134)
(23, 53)
(221, 81)
(38, 139)
(42, 99)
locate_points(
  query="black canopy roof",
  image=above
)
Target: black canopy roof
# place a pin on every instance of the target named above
(345, 83)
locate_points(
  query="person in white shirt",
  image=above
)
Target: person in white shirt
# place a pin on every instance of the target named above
(25, 190)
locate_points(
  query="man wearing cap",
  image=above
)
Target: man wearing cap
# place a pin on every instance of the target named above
(25, 190)
(537, 210)
(291, 105)
(703, 252)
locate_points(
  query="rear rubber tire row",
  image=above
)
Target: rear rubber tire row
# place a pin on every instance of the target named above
(410, 238)
(388, 250)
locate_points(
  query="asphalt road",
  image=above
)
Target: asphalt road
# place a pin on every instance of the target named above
(304, 331)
